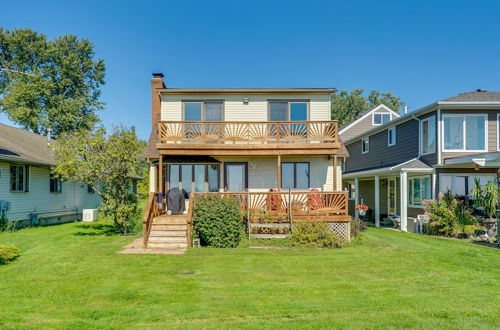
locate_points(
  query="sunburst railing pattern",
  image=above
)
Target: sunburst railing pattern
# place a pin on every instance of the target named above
(311, 206)
(248, 132)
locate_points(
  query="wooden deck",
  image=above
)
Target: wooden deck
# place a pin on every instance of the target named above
(248, 138)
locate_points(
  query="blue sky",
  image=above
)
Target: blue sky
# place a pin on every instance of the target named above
(420, 50)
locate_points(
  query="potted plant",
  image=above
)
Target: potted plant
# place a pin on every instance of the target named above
(281, 217)
(262, 217)
(255, 230)
(285, 230)
(361, 208)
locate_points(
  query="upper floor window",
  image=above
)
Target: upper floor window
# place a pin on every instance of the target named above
(203, 111)
(391, 136)
(19, 178)
(381, 118)
(465, 132)
(428, 132)
(365, 145)
(55, 185)
(288, 110)
(294, 175)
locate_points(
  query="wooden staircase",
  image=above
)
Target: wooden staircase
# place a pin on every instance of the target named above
(169, 232)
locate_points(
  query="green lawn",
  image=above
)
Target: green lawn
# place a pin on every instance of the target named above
(70, 276)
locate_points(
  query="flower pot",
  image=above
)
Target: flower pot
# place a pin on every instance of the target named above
(361, 212)
(285, 231)
(280, 220)
(261, 220)
(273, 231)
(255, 230)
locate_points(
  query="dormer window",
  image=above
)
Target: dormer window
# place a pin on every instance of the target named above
(381, 118)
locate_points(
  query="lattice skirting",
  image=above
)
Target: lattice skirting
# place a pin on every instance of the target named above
(342, 229)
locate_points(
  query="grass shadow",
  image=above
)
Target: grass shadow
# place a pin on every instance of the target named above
(97, 229)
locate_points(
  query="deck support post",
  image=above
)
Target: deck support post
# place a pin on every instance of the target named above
(334, 183)
(403, 200)
(160, 175)
(377, 201)
(356, 197)
(279, 173)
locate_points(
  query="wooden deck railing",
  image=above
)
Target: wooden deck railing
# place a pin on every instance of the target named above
(150, 211)
(229, 132)
(296, 206)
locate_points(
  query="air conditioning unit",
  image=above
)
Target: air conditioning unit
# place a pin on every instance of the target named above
(89, 215)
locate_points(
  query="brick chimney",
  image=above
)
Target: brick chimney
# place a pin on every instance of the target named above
(156, 83)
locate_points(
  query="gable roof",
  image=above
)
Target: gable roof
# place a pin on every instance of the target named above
(22, 146)
(479, 95)
(412, 165)
(357, 120)
(479, 99)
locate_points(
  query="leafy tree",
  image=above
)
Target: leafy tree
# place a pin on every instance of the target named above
(143, 185)
(105, 162)
(49, 83)
(347, 106)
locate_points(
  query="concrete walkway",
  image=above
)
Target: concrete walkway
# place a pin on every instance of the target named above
(136, 248)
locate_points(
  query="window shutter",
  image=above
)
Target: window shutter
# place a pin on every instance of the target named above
(26, 178)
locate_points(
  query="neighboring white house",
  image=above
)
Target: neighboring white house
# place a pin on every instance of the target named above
(27, 191)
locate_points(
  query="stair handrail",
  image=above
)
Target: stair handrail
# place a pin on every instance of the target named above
(147, 218)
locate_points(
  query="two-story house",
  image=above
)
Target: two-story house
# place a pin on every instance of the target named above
(395, 166)
(249, 142)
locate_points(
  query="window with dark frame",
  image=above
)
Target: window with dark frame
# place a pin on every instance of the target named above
(295, 175)
(203, 111)
(288, 110)
(19, 178)
(197, 177)
(90, 189)
(55, 185)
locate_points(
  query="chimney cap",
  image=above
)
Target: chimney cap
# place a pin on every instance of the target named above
(157, 75)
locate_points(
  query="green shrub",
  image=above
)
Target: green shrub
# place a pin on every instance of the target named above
(217, 221)
(357, 226)
(448, 216)
(314, 234)
(8, 253)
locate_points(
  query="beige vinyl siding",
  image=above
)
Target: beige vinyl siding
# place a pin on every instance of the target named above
(491, 126)
(265, 174)
(236, 110)
(73, 199)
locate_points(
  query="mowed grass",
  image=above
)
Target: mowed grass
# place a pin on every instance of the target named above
(70, 276)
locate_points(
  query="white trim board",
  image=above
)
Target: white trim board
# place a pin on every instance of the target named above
(381, 106)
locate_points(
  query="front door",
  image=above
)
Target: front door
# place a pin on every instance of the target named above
(391, 200)
(236, 176)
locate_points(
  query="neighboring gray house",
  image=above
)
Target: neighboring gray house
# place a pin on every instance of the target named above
(394, 167)
(27, 191)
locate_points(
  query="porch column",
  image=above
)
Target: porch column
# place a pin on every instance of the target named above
(377, 201)
(434, 185)
(160, 174)
(334, 186)
(152, 177)
(279, 173)
(403, 199)
(356, 197)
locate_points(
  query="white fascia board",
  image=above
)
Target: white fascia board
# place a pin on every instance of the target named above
(470, 159)
(381, 106)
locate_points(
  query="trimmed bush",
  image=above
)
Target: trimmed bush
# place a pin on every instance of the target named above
(217, 221)
(357, 226)
(314, 234)
(8, 253)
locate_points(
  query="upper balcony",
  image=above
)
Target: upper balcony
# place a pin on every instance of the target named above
(248, 138)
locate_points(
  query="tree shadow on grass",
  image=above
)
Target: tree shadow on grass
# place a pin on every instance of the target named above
(97, 229)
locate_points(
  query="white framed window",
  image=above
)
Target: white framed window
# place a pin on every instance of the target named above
(498, 131)
(365, 145)
(351, 188)
(419, 189)
(428, 135)
(465, 132)
(391, 136)
(381, 118)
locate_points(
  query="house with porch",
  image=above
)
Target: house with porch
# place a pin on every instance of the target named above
(395, 166)
(259, 144)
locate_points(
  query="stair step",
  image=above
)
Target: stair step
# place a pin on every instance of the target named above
(158, 239)
(167, 245)
(158, 226)
(170, 233)
(170, 221)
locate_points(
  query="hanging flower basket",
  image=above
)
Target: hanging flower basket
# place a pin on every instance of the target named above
(361, 208)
